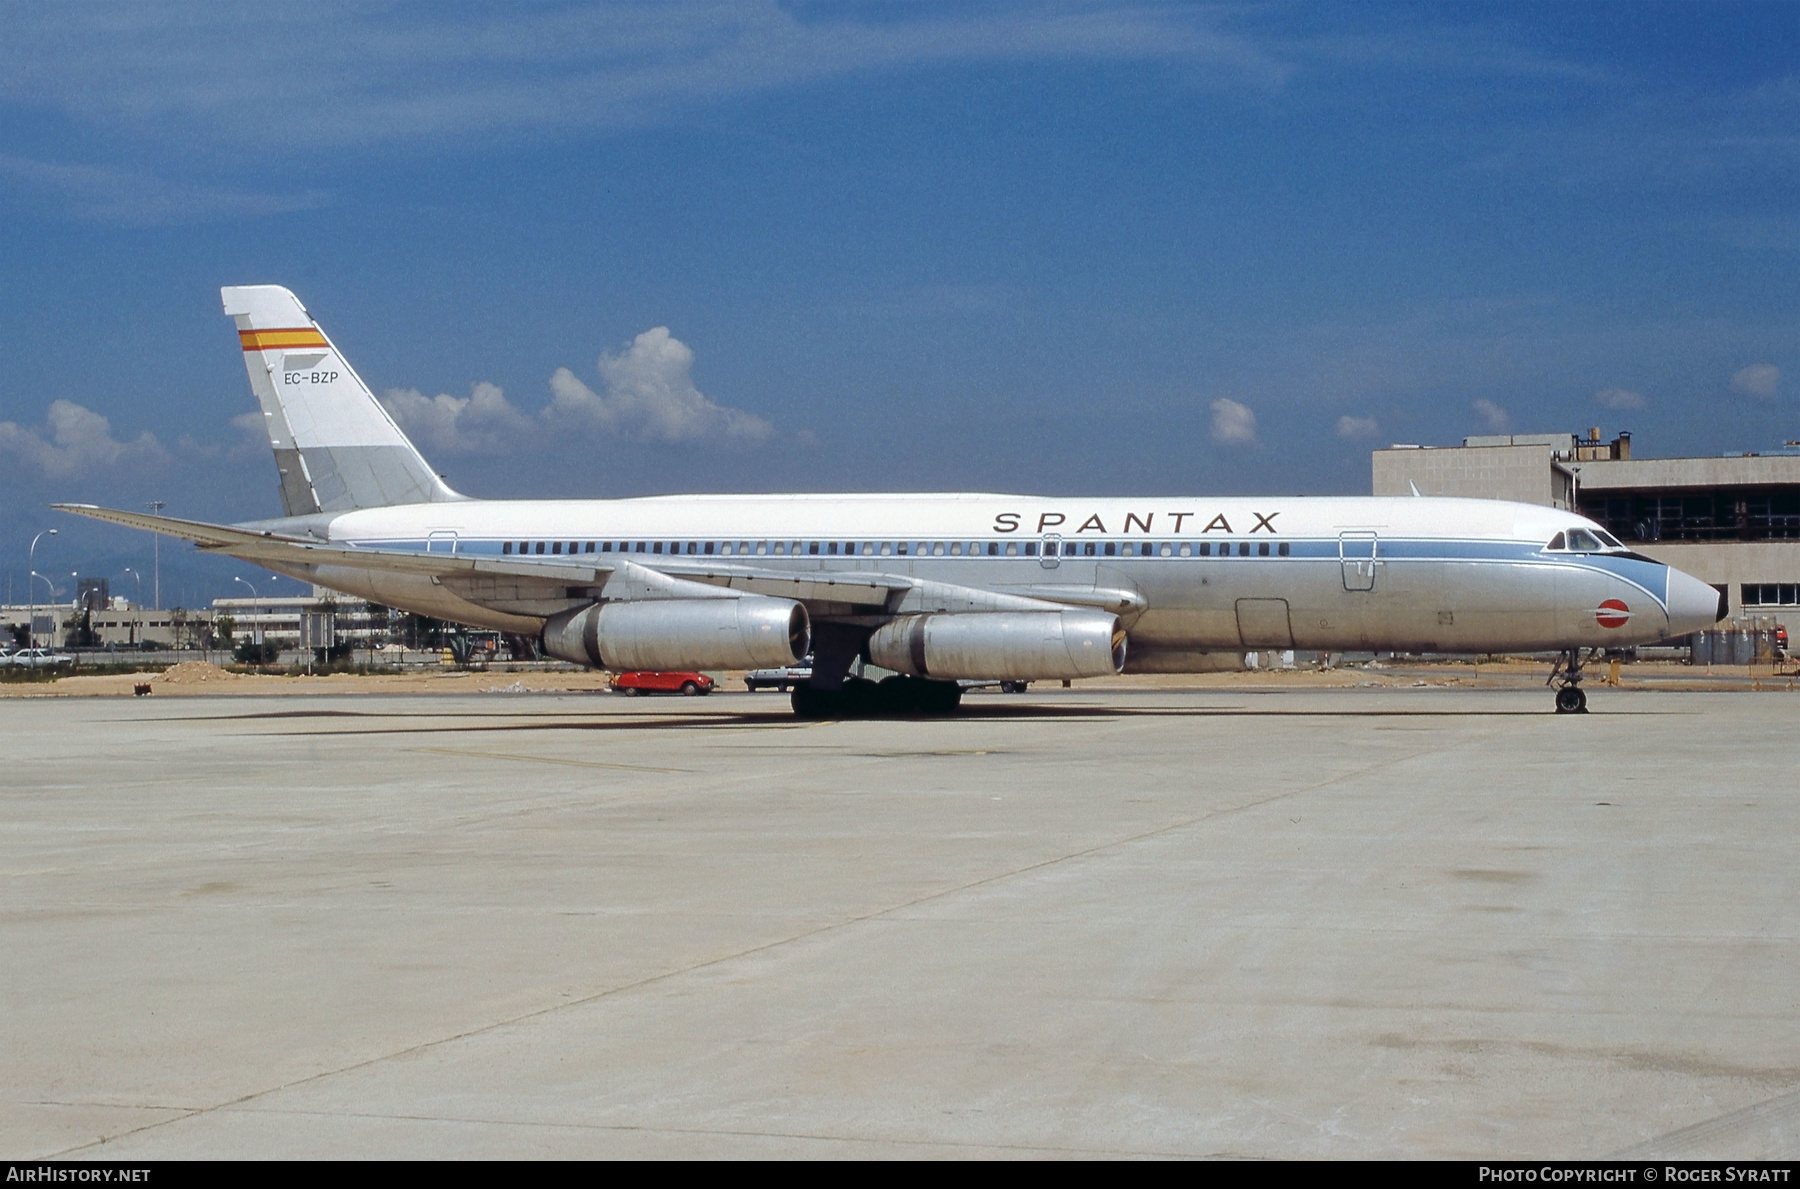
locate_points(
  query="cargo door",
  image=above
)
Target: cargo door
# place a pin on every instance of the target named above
(1264, 623)
(1358, 553)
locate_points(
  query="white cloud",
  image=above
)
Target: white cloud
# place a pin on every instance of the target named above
(1619, 398)
(1757, 380)
(650, 397)
(77, 441)
(223, 73)
(1496, 418)
(1232, 423)
(129, 198)
(482, 422)
(1356, 427)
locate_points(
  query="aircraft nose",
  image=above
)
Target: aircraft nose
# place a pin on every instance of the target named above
(1693, 605)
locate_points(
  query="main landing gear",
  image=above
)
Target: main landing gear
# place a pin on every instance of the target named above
(862, 698)
(1566, 677)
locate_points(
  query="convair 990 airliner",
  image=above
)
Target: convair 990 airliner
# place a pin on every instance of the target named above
(936, 587)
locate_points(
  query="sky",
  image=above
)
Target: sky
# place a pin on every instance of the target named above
(604, 250)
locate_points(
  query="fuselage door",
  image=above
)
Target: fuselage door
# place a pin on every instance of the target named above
(441, 542)
(1358, 552)
(1051, 557)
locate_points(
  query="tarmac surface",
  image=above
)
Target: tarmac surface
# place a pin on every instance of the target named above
(1235, 922)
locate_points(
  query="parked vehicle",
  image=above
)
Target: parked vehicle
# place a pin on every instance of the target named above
(650, 682)
(39, 658)
(780, 679)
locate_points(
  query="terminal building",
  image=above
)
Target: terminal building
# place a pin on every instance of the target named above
(96, 620)
(1732, 521)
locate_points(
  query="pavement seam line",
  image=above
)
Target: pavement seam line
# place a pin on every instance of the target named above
(764, 947)
(721, 1131)
(1670, 1144)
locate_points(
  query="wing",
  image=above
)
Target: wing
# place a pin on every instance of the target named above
(869, 597)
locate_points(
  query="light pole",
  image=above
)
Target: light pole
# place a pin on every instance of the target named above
(50, 595)
(140, 603)
(156, 507)
(31, 561)
(256, 633)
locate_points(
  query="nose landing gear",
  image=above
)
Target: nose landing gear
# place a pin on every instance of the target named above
(1565, 675)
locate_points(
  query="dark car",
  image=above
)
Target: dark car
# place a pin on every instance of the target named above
(646, 681)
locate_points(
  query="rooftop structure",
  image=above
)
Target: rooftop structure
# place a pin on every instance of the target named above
(1733, 520)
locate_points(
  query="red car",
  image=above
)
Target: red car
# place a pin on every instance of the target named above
(644, 682)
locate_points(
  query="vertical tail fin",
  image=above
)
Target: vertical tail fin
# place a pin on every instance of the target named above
(335, 446)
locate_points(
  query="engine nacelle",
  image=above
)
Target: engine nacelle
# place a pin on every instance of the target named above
(1002, 645)
(751, 632)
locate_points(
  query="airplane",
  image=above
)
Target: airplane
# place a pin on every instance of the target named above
(937, 587)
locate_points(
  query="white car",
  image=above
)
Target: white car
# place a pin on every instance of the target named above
(39, 658)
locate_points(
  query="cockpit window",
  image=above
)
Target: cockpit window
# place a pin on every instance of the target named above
(1581, 540)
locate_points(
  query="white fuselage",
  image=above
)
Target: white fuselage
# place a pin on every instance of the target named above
(1194, 575)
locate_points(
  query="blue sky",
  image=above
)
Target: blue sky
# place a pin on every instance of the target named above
(1096, 248)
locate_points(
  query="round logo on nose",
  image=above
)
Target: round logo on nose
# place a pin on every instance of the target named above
(1612, 614)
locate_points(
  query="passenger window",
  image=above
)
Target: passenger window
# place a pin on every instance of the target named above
(831, 549)
(1071, 548)
(993, 549)
(1012, 549)
(1111, 548)
(556, 547)
(1262, 549)
(657, 548)
(1205, 549)
(762, 549)
(937, 549)
(1031, 548)
(709, 548)
(887, 549)
(900, 548)
(506, 547)
(923, 549)
(1186, 549)
(1243, 549)
(956, 549)
(540, 547)
(849, 548)
(1282, 549)
(1167, 549)
(590, 547)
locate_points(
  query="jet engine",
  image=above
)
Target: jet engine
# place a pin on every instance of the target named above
(1002, 645)
(751, 632)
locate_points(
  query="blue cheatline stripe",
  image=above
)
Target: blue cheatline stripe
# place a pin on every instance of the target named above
(1650, 577)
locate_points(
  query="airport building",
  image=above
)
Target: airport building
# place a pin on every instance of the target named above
(1732, 521)
(96, 620)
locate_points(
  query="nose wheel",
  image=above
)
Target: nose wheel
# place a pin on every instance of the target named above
(1566, 677)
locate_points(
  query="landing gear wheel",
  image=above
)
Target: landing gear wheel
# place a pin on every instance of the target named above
(1566, 677)
(860, 698)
